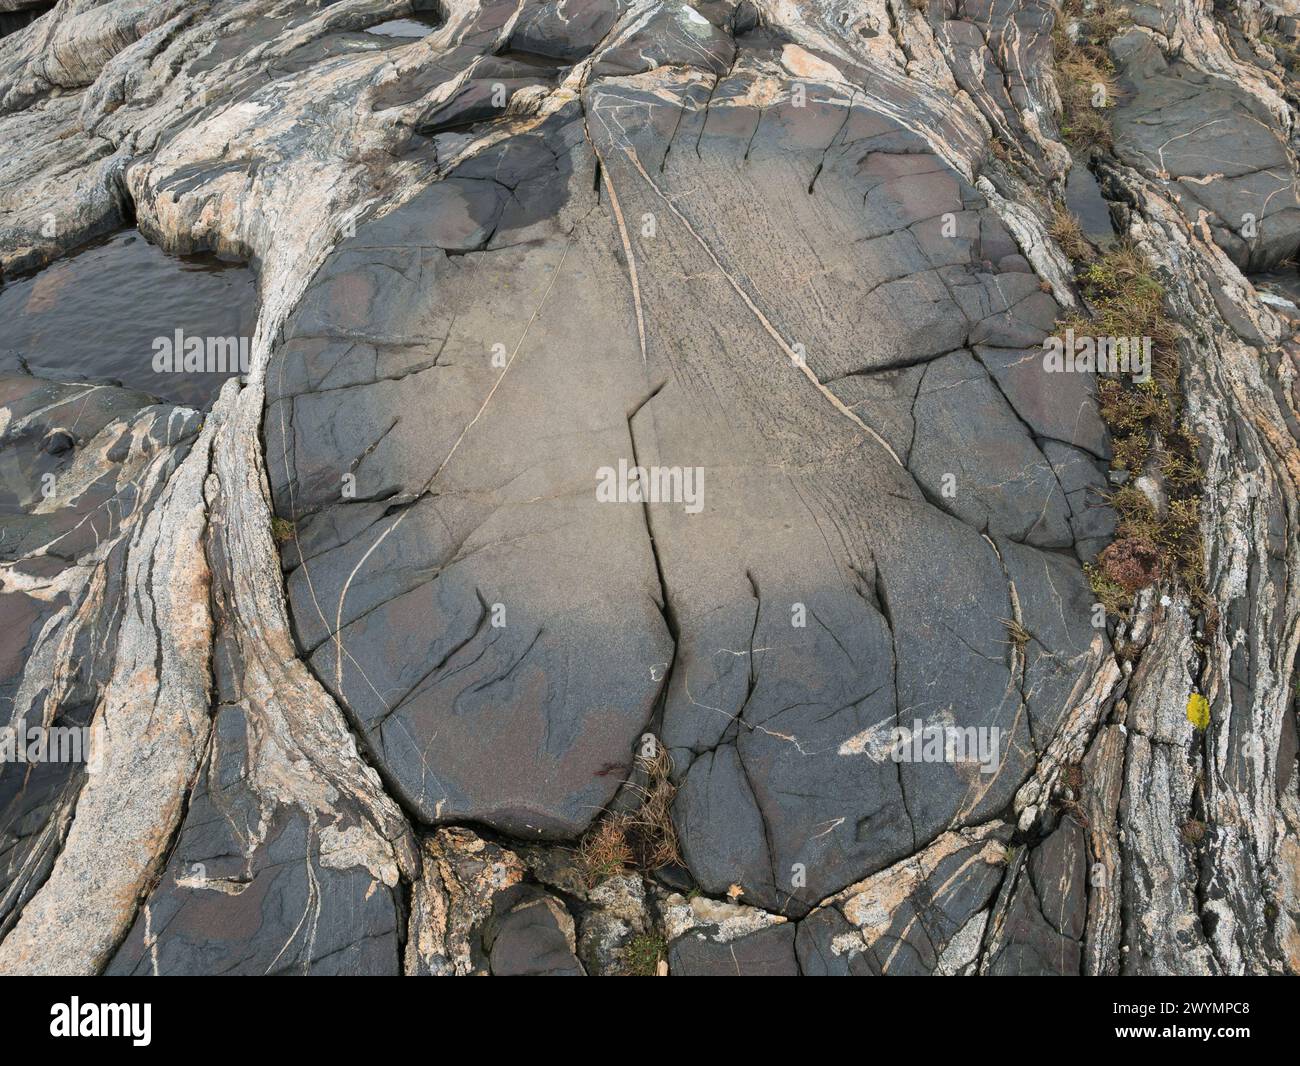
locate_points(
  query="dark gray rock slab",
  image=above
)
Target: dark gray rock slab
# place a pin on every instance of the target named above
(976, 458)
(565, 30)
(530, 934)
(249, 891)
(1041, 927)
(501, 639)
(766, 953)
(1219, 147)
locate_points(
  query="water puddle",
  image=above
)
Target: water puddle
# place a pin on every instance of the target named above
(417, 26)
(123, 310)
(1083, 197)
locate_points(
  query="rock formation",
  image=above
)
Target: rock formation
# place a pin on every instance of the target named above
(391, 663)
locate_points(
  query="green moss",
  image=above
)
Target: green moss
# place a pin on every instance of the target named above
(281, 529)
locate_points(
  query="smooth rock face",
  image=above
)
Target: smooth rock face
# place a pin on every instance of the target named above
(443, 601)
(494, 603)
(392, 633)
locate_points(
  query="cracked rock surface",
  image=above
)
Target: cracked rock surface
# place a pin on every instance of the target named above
(379, 661)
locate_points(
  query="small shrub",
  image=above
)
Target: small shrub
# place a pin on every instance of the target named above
(1132, 563)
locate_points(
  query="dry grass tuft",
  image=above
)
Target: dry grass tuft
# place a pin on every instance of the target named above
(604, 851)
(644, 839)
(1085, 73)
(1019, 635)
(1064, 228)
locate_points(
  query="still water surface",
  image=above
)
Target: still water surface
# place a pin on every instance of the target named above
(99, 314)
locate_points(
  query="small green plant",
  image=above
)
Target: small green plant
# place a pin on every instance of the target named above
(1113, 597)
(1285, 52)
(282, 529)
(642, 953)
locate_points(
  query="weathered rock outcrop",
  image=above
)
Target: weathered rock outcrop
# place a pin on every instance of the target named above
(794, 261)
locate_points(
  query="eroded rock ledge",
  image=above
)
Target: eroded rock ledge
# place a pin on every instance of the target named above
(804, 249)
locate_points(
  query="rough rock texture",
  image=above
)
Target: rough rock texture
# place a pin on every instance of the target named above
(86, 528)
(921, 915)
(796, 258)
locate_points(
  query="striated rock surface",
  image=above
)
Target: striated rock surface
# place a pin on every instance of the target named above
(396, 673)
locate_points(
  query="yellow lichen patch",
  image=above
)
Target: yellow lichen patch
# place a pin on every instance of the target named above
(1198, 710)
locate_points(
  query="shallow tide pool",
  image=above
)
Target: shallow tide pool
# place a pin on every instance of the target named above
(123, 310)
